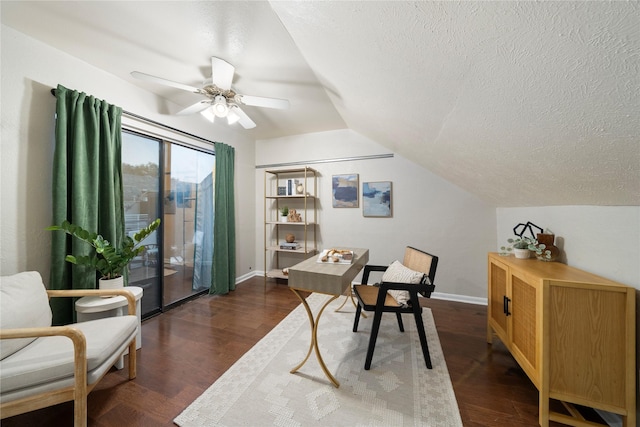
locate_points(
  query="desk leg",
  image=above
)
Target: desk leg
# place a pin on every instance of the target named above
(353, 301)
(343, 303)
(314, 337)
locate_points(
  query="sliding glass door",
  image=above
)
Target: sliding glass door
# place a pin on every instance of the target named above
(188, 220)
(175, 183)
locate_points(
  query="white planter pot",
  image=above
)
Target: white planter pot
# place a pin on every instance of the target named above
(521, 253)
(283, 219)
(117, 283)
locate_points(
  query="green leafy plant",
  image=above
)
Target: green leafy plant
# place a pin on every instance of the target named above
(540, 251)
(284, 211)
(109, 260)
(521, 243)
(526, 243)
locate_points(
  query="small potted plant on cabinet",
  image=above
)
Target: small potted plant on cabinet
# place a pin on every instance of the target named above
(108, 259)
(522, 246)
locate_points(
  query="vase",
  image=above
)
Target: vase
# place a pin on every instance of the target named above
(547, 240)
(117, 283)
(290, 238)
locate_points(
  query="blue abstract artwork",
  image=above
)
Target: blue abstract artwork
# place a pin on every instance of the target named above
(344, 189)
(376, 199)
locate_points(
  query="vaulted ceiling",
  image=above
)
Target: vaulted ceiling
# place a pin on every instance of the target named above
(521, 103)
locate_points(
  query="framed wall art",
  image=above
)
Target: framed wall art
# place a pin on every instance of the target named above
(344, 191)
(376, 199)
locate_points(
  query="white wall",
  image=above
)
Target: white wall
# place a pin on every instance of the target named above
(29, 70)
(604, 240)
(428, 212)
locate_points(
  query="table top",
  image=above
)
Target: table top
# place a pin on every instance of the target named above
(327, 278)
(94, 304)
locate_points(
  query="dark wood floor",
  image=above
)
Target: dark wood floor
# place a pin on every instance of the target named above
(187, 348)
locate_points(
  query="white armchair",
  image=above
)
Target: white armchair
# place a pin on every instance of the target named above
(43, 365)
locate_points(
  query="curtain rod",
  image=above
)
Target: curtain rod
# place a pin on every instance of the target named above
(153, 122)
(313, 162)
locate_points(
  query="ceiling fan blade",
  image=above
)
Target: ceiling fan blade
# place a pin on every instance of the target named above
(258, 101)
(195, 108)
(154, 79)
(245, 121)
(221, 73)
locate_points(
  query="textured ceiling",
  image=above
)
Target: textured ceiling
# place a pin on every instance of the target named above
(521, 103)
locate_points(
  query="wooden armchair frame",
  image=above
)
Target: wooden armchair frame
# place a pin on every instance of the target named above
(378, 300)
(79, 391)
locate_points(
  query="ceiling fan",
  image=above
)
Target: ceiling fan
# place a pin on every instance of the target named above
(221, 100)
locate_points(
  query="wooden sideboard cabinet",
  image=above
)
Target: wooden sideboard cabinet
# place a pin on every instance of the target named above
(572, 332)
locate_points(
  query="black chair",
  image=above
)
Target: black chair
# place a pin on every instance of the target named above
(377, 299)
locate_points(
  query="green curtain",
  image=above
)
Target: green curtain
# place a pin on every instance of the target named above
(223, 272)
(87, 187)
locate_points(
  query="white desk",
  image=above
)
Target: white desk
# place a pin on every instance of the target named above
(325, 278)
(91, 308)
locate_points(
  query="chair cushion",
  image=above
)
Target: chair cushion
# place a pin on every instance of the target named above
(368, 294)
(23, 304)
(398, 273)
(51, 358)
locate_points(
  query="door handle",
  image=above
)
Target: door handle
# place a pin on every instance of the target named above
(505, 305)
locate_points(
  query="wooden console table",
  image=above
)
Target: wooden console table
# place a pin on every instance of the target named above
(324, 278)
(572, 332)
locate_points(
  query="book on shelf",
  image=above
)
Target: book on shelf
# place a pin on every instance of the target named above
(290, 246)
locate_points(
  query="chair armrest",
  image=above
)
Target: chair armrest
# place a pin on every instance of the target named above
(96, 292)
(369, 268)
(79, 347)
(46, 331)
(423, 288)
(404, 286)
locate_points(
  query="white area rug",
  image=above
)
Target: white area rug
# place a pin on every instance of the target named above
(399, 390)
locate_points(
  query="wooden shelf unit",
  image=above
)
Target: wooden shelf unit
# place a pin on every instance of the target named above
(572, 332)
(275, 258)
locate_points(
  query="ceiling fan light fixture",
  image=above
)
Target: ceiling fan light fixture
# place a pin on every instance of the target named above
(220, 107)
(221, 100)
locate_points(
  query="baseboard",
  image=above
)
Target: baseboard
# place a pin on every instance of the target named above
(459, 298)
(248, 276)
(435, 295)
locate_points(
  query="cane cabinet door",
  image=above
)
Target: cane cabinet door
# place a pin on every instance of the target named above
(498, 303)
(526, 323)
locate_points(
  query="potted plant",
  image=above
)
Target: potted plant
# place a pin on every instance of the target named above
(522, 246)
(284, 211)
(108, 259)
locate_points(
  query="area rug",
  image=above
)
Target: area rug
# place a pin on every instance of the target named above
(398, 390)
